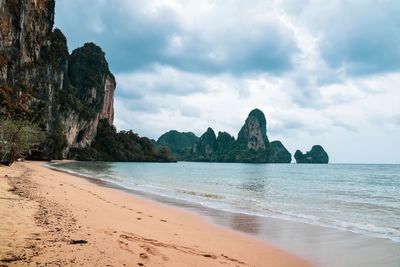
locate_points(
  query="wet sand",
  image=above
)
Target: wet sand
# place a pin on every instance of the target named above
(323, 246)
(54, 218)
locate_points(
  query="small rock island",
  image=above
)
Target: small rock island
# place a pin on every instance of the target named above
(316, 155)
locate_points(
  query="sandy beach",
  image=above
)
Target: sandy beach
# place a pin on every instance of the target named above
(54, 218)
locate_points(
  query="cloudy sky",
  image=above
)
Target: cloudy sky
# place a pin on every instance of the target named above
(323, 72)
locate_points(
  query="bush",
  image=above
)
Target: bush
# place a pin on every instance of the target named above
(18, 138)
(110, 145)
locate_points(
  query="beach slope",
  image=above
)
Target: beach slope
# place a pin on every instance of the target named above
(54, 218)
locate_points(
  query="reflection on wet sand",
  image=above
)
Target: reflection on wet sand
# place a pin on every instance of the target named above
(321, 245)
(245, 223)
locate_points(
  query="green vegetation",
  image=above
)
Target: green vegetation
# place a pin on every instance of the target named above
(86, 71)
(17, 139)
(179, 143)
(316, 155)
(56, 141)
(5, 100)
(252, 145)
(110, 145)
(57, 52)
(280, 153)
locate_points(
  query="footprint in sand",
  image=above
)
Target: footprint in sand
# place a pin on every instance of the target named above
(143, 256)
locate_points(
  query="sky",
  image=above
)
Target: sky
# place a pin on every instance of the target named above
(323, 72)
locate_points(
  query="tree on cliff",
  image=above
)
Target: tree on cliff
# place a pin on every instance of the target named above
(17, 139)
(110, 145)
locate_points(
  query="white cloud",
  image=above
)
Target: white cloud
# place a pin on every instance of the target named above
(188, 65)
(223, 102)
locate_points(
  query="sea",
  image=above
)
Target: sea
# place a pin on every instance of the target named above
(318, 211)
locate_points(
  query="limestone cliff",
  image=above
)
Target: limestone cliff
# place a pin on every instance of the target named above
(94, 85)
(206, 145)
(65, 94)
(25, 27)
(254, 131)
(280, 154)
(252, 145)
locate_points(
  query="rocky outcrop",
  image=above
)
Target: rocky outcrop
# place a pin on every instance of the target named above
(206, 146)
(254, 131)
(225, 142)
(178, 142)
(279, 153)
(65, 94)
(316, 155)
(89, 74)
(252, 145)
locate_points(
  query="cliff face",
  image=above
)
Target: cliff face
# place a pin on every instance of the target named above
(24, 28)
(94, 85)
(65, 94)
(206, 145)
(107, 111)
(254, 131)
(26, 31)
(280, 153)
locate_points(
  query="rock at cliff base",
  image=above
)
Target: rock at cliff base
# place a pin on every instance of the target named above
(280, 154)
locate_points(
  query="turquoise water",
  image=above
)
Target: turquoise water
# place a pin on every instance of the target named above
(354, 197)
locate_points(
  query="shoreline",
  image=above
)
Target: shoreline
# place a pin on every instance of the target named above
(323, 246)
(121, 229)
(197, 207)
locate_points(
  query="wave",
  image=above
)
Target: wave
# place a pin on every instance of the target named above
(220, 202)
(206, 195)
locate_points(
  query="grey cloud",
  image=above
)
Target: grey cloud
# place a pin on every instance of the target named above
(286, 125)
(344, 126)
(159, 80)
(130, 40)
(361, 37)
(384, 121)
(134, 40)
(144, 105)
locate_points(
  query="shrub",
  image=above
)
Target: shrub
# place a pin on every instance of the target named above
(18, 138)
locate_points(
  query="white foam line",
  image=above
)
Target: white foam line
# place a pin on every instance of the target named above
(312, 220)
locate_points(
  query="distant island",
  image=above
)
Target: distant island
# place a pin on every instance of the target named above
(316, 155)
(251, 146)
